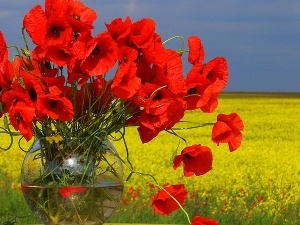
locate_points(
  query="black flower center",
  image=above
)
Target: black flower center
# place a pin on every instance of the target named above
(18, 117)
(209, 75)
(76, 35)
(187, 156)
(158, 96)
(32, 94)
(96, 51)
(55, 31)
(53, 103)
(192, 91)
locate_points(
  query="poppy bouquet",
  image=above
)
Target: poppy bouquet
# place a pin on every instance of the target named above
(76, 84)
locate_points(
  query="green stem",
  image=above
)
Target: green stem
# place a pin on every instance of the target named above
(127, 152)
(142, 175)
(181, 48)
(24, 38)
(193, 127)
(174, 37)
(77, 214)
(175, 134)
(11, 139)
(15, 47)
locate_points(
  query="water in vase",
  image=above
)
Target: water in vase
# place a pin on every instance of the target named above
(74, 205)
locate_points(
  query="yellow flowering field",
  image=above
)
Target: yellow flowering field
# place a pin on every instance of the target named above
(257, 184)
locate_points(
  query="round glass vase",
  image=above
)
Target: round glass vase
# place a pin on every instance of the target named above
(72, 181)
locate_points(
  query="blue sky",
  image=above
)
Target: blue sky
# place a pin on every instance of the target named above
(260, 39)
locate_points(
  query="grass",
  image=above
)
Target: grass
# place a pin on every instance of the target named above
(257, 184)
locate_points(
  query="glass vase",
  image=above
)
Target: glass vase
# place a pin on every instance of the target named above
(72, 181)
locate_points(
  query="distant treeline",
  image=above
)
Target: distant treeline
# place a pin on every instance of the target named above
(261, 94)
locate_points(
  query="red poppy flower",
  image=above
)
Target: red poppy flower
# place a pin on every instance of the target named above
(127, 55)
(67, 191)
(80, 12)
(175, 111)
(153, 121)
(164, 204)
(196, 160)
(81, 36)
(35, 24)
(196, 50)
(170, 73)
(134, 119)
(57, 108)
(56, 7)
(209, 100)
(146, 134)
(161, 110)
(21, 116)
(228, 129)
(6, 76)
(159, 100)
(3, 50)
(16, 93)
(204, 84)
(22, 64)
(199, 220)
(76, 74)
(101, 55)
(216, 71)
(150, 126)
(32, 85)
(197, 92)
(142, 32)
(81, 19)
(119, 29)
(58, 55)
(58, 31)
(126, 83)
(155, 52)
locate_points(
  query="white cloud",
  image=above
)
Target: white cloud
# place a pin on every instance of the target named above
(132, 7)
